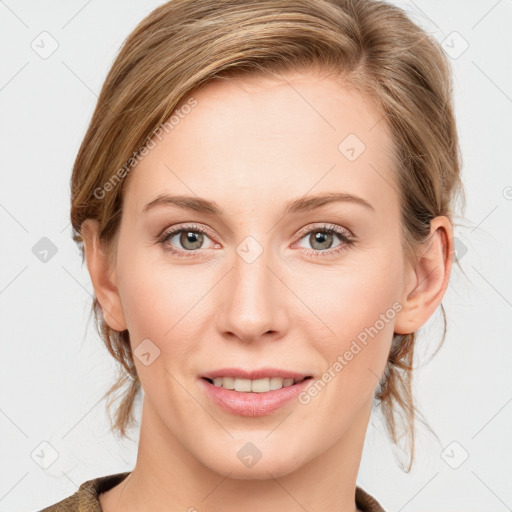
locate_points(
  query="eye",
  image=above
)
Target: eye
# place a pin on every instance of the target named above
(188, 238)
(186, 241)
(322, 238)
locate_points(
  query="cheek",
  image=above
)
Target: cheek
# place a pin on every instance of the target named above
(155, 294)
(345, 302)
(158, 305)
(159, 310)
(352, 325)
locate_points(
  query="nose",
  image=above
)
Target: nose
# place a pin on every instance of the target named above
(253, 301)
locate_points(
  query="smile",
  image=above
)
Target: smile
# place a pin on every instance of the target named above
(255, 386)
(246, 402)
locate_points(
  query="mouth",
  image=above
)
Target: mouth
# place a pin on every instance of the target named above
(259, 396)
(263, 385)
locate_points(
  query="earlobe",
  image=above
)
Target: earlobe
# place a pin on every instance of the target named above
(103, 278)
(430, 275)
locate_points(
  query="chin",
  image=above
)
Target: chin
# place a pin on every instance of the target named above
(254, 460)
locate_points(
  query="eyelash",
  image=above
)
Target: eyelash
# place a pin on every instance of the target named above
(331, 229)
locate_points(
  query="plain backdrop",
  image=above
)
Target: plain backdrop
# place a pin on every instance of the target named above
(53, 366)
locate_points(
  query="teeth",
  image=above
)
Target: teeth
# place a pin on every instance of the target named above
(227, 382)
(242, 385)
(276, 383)
(254, 386)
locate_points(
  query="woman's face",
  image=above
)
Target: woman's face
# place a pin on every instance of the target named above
(259, 283)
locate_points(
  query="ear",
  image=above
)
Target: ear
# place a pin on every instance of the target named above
(428, 277)
(103, 278)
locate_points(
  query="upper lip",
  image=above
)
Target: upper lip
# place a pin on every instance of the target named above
(260, 373)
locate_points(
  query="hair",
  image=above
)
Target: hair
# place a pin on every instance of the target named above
(370, 45)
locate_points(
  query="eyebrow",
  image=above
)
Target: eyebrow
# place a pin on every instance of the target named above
(301, 204)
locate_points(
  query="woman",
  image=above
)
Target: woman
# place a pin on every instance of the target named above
(264, 201)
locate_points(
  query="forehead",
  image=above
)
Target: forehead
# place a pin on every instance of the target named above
(257, 137)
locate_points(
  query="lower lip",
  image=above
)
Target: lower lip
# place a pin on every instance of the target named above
(252, 404)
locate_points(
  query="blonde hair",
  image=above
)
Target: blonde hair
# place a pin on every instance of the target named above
(178, 48)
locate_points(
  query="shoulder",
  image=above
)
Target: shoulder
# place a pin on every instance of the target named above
(367, 503)
(85, 499)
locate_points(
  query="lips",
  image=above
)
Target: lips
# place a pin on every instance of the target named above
(261, 373)
(239, 398)
(249, 403)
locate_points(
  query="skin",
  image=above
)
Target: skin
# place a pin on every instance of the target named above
(251, 145)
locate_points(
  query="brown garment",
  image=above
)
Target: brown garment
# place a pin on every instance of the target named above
(86, 498)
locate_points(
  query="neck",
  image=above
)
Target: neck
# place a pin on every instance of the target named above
(168, 477)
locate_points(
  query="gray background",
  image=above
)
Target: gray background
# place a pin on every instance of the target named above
(53, 366)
